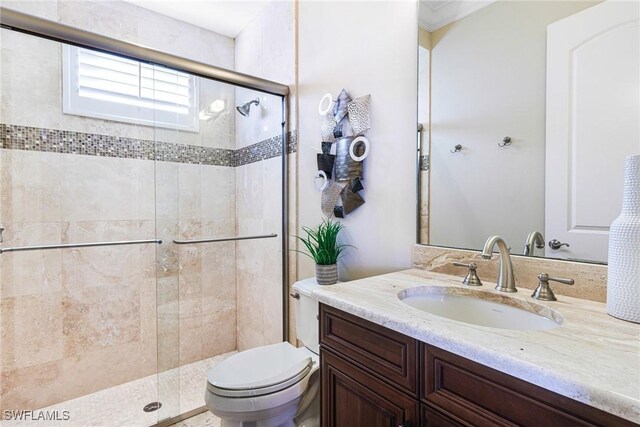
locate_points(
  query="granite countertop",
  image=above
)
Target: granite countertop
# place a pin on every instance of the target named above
(592, 358)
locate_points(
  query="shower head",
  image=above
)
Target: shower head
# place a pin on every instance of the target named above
(245, 108)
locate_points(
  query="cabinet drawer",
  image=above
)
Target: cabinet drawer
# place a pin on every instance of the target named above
(387, 354)
(483, 396)
(352, 397)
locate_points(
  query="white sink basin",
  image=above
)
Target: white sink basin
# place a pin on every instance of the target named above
(481, 308)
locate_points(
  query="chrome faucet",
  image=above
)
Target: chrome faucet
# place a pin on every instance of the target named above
(534, 240)
(506, 279)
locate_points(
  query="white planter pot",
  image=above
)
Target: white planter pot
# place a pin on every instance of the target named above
(623, 284)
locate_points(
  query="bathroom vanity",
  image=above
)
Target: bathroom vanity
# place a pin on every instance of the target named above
(385, 363)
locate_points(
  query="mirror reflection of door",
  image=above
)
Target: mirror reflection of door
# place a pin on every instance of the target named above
(593, 69)
(487, 80)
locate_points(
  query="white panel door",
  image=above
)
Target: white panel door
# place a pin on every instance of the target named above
(593, 123)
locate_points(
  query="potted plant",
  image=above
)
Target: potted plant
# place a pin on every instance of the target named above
(324, 249)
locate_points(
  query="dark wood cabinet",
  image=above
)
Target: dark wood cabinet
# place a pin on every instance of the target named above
(433, 418)
(352, 397)
(483, 396)
(372, 376)
(384, 353)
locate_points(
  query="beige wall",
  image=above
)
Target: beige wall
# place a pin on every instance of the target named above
(341, 45)
(424, 38)
(487, 82)
(77, 321)
(265, 48)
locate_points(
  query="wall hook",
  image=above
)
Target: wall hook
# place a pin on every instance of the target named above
(506, 141)
(456, 149)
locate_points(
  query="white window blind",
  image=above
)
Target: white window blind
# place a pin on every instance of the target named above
(106, 86)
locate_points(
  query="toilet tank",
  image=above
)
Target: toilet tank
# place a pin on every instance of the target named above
(306, 311)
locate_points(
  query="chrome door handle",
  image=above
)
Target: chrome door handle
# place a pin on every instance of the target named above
(556, 244)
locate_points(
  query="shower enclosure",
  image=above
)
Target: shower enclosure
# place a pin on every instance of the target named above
(143, 225)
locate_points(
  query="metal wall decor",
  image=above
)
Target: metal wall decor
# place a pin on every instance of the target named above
(347, 167)
(327, 127)
(330, 196)
(345, 146)
(359, 114)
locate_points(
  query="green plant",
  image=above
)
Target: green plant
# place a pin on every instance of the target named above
(322, 242)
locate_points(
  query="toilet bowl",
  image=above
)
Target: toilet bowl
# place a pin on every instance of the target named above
(275, 385)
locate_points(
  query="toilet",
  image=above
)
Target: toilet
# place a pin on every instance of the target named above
(275, 385)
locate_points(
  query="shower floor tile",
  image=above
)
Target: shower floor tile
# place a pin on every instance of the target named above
(179, 390)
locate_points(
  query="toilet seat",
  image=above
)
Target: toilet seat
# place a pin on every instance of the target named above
(260, 371)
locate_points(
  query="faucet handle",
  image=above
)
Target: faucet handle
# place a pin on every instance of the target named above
(471, 279)
(543, 292)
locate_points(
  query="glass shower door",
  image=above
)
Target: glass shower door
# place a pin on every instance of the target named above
(217, 294)
(78, 341)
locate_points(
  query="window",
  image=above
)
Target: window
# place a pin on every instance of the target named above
(105, 86)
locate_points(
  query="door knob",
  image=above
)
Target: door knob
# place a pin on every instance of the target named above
(556, 244)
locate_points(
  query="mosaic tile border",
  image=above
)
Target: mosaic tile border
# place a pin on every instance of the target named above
(27, 138)
(266, 149)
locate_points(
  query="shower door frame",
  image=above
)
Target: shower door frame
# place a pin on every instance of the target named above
(44, 28)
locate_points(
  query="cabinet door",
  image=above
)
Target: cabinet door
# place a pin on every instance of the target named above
(354, 398)
(433, 418)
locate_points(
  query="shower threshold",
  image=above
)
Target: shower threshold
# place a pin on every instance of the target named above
(179, 390)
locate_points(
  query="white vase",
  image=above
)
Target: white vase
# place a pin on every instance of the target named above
(623, 284)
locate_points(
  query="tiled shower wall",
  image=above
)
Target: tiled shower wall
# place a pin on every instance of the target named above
(76, 321)
(265, 48)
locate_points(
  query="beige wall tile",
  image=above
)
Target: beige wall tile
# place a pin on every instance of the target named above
(30, 273)
(220, 332)
(31, 330)
(100, 317)
(31, 387)
(31, 186)
(217, 191)
(258, 268)
(99, 189)
(109, 266)
(106, 367)
(189, 192)
(39, 105)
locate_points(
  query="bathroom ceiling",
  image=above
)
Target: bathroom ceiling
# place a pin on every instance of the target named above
(227, 17)
(436, 14)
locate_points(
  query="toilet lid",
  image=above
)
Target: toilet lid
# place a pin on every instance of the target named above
(259, 371)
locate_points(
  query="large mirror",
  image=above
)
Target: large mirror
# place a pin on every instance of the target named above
(528, 110)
